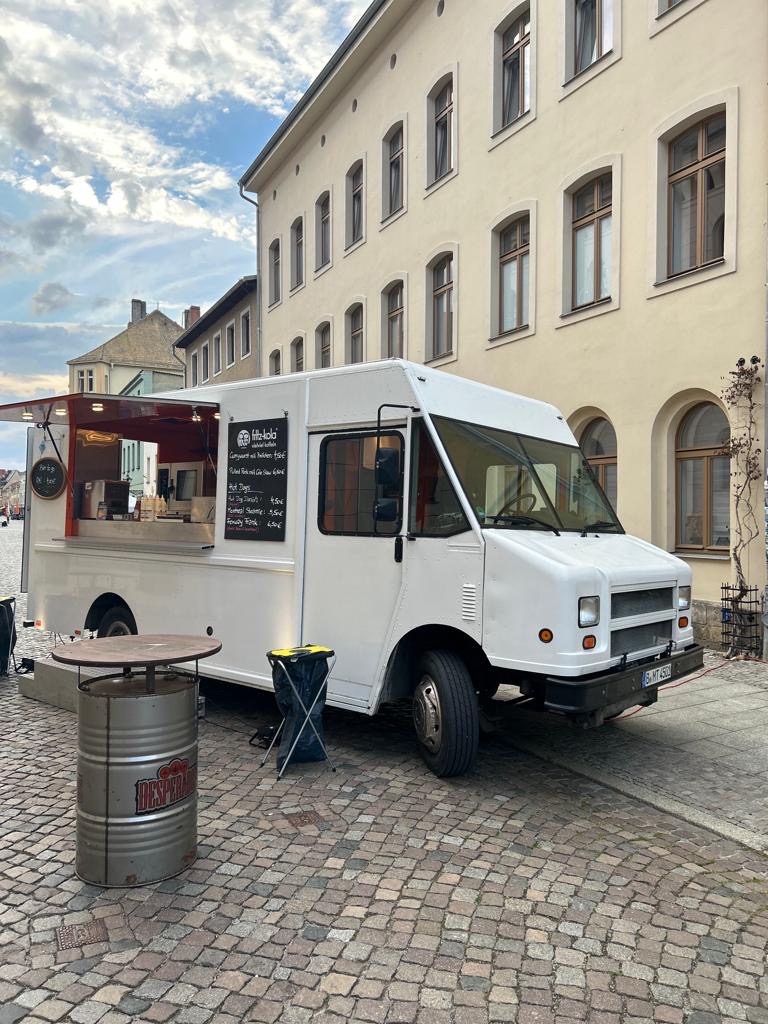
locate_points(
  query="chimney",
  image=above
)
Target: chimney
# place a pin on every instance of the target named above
(191, 316)
(138, 310)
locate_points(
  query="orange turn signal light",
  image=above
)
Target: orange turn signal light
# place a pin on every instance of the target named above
(589, 642)
(683, 622)
(546, 636)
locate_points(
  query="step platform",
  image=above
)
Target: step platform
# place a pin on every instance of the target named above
(55, 684)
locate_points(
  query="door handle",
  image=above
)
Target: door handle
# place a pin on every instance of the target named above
(398, 549)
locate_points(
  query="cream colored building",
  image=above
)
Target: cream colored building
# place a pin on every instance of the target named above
(222, 345)
(565, 198)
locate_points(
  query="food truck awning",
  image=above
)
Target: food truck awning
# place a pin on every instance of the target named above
(138, 417)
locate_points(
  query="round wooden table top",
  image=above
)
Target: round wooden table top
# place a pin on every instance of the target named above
(133, 651)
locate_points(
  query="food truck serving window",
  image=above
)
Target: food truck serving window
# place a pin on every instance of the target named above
(348, 485)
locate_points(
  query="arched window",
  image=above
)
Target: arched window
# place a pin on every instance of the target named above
(598, 442)
(440, 283)
(393, 166)
(274, 363)
(323, 345)
(514, 248)
(393, 308)
(323, 230)
(355, 337)
(354, 226)
(440, 141)
(703, 478)
(297, 355)
(696, 217)
(297, 253)
(274, 273)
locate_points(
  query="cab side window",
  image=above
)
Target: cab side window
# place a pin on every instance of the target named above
(435, 510)
(348, 485)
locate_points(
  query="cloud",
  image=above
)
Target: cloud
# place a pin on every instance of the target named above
(24, 386)
(51, 297)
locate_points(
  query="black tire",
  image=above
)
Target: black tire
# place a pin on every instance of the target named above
(445, 714)
(118, 621)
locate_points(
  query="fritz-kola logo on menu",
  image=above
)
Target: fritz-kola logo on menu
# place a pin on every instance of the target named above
(175, 781)
(248, 437)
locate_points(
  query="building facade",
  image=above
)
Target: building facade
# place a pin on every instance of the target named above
(146, 344)
(222, 344)
(564, 199)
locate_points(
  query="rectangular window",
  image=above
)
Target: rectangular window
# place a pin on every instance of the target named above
(90, 380)
(395, 172)
(217, 353)
(205, 368)
(514, 256)
(356, 335)
(516, 70)
(230, 335)
(357, 205)
(297, 355)
(194, 369)
(395, 314)
(592, 242)
(245, 335)
(697, 196)
(593, 32)
(274, 272)
(324, 345)
(81, 380)
(442, 308)
(297, 269)
(348, 485)
(323, 231)
(443, 131)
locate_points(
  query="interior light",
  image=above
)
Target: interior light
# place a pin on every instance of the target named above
(27, 416)
(97, 407)
(217, 415)
(61, 412)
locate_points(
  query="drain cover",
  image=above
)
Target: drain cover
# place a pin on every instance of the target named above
(70, 936)
(301, 818)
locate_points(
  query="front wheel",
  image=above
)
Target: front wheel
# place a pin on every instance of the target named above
(117, 622)
(445, 714)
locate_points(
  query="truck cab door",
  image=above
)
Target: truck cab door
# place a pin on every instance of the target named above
(353, 560)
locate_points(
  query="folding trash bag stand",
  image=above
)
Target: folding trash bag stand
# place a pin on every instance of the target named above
(294, 655)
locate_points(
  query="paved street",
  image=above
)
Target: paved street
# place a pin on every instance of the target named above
(525, 892)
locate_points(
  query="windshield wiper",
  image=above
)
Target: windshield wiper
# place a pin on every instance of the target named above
(523, 521)
(600, 525)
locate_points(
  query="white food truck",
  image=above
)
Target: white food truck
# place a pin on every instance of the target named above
(443, 537)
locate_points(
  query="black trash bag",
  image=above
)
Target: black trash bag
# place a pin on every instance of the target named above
(308, 674)
(7, 632)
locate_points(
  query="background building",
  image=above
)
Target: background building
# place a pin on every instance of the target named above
(145, 344)
(222, 344)
(139, 458)
(565, 199)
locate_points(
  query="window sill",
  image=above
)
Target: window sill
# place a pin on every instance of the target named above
(393, 217)
(246, 355)
(576, 316)
(671, 16)
(323, 270)
(296, 289)
(705, 556)
(353, 246)
(509, 336)
(698, 275)
(274, 305)
(595, 68)
(502, 134)
(437, 184)
(446, 357)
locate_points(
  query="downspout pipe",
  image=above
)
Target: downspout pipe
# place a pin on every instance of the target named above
(253, 202)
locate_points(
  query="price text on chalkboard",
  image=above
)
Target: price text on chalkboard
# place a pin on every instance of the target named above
(257, 480)
(47, 478)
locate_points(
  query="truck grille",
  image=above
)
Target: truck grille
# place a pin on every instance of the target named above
(640, 638)
(641, 602)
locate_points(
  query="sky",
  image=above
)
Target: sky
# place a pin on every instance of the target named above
(124, 129)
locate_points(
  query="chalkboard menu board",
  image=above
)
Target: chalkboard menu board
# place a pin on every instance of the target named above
(257, 480)
(47, 478)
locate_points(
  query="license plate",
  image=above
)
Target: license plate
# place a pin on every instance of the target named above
(653, 676)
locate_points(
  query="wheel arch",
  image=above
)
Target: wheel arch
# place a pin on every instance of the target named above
(102, 605)
(400, 674)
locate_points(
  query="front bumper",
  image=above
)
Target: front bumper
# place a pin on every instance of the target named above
(595, 698)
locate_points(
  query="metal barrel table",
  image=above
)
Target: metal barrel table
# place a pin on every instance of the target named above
(136, 756)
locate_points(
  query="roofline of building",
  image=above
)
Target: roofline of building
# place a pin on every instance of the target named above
(236, 294)
(315, 87)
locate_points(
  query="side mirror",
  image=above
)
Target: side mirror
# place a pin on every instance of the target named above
(386, 510)
(388, 468)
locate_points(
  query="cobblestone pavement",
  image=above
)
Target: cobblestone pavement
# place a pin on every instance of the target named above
(377, 894)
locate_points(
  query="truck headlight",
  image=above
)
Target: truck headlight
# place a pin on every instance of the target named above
(683, 598)
(589, 611)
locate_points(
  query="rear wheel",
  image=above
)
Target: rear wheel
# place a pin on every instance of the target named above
(117, 621)
(445, 713)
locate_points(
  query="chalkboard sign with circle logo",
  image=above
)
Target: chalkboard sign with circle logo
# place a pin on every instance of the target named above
(47, 478)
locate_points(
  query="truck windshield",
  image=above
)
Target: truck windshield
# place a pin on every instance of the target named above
(518, 482)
